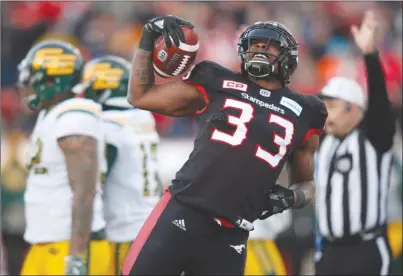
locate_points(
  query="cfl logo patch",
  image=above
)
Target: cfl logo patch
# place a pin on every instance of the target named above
(235, 85)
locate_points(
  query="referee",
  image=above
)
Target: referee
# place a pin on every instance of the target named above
(354, 164)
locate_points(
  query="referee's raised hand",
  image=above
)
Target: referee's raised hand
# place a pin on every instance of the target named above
(365, 36)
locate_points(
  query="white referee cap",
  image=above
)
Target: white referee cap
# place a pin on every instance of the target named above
(345, 89)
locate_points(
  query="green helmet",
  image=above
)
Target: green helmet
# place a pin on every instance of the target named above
(106, 81)
(50, 67)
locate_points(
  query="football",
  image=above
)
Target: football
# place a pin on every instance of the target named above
(171, 62)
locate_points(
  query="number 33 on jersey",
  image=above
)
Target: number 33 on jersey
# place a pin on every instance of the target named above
(241, 130)
(245, 134)
(287, 110)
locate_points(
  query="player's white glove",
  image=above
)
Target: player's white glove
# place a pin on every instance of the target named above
(75, 265)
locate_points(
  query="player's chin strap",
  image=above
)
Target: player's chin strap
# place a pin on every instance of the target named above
(259, 69)
(263, 69)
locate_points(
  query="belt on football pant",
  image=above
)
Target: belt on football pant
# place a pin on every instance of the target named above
(239, 223)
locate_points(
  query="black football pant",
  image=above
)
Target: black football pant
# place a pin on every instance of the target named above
(372, 257)
(177, 239)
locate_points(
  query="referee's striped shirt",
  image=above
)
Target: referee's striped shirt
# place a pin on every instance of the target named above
(353, 172)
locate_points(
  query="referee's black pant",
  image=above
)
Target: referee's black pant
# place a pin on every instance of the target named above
(355, 256)
(177, 239)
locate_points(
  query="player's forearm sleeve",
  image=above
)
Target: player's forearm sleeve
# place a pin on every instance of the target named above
(378, 123)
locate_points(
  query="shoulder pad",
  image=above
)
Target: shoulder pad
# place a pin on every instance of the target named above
(317, 104)
(114, 117)
(78, 105)
(147, 115)
(141, 116)
(204, 71)
(111, 114)
(319, 111)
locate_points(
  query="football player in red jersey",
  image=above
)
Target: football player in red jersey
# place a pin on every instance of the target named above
(249, 125)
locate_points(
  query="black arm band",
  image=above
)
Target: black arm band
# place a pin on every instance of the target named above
(299, 199)
(374, 54)
(147, 40)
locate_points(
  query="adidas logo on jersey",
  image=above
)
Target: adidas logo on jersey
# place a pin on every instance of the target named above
(180, 223)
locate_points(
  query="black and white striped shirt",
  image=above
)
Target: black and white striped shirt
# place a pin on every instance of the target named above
(353, 172)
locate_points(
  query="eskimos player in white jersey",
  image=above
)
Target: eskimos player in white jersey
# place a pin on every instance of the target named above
(63, 200)
(132, 187)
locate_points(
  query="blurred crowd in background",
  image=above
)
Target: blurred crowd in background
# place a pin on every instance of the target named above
(321, 28)
(98, 28)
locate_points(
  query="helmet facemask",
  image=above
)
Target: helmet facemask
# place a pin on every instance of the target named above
(260, 68)
(105, 80)
(37, 87)
(27, 94)
(84, 89)
(275, 67)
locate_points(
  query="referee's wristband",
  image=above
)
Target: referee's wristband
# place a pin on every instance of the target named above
(299, 201)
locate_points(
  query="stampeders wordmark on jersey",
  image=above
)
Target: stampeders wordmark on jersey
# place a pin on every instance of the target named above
(243, 141)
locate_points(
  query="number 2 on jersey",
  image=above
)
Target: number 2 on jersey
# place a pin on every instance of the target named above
(241, 131)
(36, 158)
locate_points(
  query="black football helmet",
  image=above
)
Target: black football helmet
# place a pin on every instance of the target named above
(287, 60)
